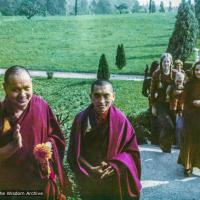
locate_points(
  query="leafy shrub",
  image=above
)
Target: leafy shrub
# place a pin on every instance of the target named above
(141, 124)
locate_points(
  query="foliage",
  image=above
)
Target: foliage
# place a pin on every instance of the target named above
(9, 7)
(76, 7)
(162, 9)
(103, 70)
(84, 7)
(136, 6)
(103, 7)
(49, 74)
(120, 59)
(29, 8)
(74, 43)
(141, 124)
(185, 33)
(197, 11)
(152, 6)
(170, 7)
(122, 7)
(56, 7)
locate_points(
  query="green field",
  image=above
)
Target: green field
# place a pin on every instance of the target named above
(76, 43)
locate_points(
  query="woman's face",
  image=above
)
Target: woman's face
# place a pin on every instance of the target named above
(19, 90)
(166, 63)
(197, 71)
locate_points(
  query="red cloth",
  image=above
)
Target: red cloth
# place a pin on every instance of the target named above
(37, 125)
(122, 151)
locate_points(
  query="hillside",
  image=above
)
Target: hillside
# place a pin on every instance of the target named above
(76, 43)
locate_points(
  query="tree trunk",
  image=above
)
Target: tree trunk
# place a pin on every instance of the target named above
(150, 3)
(76, 7)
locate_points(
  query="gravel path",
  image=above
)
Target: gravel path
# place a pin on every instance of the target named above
(163, 179)
(82, 75)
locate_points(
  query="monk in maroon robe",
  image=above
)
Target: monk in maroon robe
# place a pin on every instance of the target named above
(103, 151)
(26, 121)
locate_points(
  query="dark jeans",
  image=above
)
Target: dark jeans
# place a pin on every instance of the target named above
(165, 121)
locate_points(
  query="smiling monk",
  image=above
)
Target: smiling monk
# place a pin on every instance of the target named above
(103, 151)
(29, 128)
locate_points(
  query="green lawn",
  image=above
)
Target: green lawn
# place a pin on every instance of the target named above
(76, 43)
(70, 96)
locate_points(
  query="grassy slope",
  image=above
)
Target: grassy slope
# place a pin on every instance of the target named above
(76, 43)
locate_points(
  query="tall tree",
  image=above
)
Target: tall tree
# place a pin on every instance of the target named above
(29, 8)
(170, 7)
(162, 9)
(150, 4)
(76, 7)
(93, 6)
(136, 6)
(103, 7)
(103, 70)
(56, 7)
(84, 9)
(120, 59)
(9, 7)
(185, 33)
(153, 6)
(197, 12)
(121, 7)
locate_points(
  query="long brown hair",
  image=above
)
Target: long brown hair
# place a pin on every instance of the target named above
(163, 56)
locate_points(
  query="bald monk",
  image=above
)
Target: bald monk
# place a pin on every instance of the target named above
(103, 151)
(26, 121)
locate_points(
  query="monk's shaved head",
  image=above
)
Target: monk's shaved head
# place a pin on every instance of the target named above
(101, 83)
(15, 70)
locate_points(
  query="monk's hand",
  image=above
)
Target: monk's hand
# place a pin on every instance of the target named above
(17, 137)
(97, 171)
(108, 171)
(104, 165)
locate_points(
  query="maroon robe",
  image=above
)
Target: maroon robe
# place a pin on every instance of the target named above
(122, 151)
(37, 125)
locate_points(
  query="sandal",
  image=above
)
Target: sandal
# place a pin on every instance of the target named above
(188, 172)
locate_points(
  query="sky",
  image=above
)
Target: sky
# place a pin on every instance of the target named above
(175, 3)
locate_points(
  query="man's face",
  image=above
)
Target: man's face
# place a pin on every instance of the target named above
(166, 63)
(197, 71)
(102, 98)
(19, 90)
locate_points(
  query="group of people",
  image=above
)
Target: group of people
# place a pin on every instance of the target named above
(103, 151)
(174, 104)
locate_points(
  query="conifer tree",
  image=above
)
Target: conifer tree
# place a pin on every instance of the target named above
(153, 6)
(103, 70)
(120, 60)
(185, 33)
(197, 11)
(170, 7)
(162, 9)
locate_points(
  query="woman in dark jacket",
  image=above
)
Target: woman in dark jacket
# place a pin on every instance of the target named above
(190, 145)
